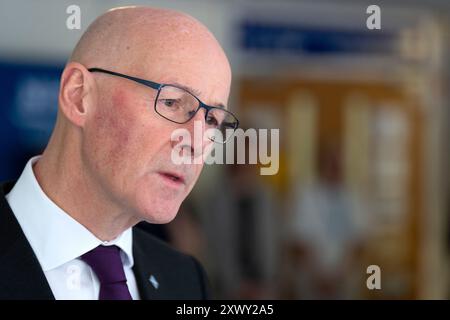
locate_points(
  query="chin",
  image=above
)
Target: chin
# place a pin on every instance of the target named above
(156, 203)
(160, 213)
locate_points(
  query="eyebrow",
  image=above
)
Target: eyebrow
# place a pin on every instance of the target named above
(189, 89)
(196, 93)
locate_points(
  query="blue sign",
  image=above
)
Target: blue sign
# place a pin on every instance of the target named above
(28, 108)
(297, 39)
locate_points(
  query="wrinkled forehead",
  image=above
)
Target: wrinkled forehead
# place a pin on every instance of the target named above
(202, 67)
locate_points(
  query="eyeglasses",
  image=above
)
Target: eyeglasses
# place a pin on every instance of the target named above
(178, 105)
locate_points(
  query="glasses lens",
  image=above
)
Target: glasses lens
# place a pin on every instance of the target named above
(176, 104)
(221, 124)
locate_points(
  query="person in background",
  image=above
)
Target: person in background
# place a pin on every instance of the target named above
(327, 227)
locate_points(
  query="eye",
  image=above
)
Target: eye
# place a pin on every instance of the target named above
(212, 121)
(169, 102)
(228, 125)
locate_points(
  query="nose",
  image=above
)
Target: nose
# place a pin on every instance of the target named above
(199, 116)
(196, 128)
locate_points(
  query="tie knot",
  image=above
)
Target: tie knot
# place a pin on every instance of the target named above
(106, 262)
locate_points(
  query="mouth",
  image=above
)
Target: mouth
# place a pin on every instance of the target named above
(173, 178)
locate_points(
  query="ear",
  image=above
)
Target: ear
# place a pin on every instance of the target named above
(76, 94)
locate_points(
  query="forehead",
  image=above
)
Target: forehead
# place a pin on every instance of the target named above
(194, 60)
(211, 87)
(197, 93)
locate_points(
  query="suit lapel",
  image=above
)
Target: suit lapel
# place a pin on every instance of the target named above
(150, 276)
(142, 271)
(21, 276)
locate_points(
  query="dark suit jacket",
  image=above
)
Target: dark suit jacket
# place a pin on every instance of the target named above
(21, 277)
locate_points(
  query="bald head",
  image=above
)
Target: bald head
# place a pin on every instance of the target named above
(151, 39)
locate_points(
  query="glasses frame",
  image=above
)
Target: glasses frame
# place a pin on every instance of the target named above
(158, 86)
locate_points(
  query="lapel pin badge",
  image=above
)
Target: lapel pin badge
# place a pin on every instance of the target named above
(153, 281)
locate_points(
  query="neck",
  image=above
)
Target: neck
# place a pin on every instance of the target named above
(63, 178)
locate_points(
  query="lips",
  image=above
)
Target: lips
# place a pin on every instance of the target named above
(173, 176)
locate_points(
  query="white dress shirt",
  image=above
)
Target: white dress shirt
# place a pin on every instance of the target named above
(58, 241)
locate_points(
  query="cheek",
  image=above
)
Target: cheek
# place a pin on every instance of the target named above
(134, 136)
(113, 129)
(120, 120)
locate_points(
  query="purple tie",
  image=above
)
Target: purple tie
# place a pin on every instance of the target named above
(107, 265)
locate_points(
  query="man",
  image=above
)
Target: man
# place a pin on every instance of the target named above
(67, 225)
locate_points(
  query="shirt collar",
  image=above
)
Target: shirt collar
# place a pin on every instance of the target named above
(56, 238)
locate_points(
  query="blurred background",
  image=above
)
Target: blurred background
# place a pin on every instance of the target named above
(363, 116)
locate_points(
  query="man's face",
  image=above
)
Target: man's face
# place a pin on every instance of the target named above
(127, 146)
